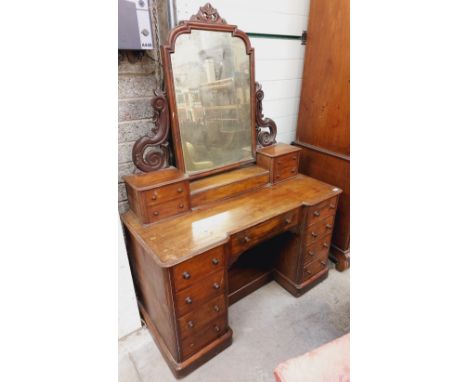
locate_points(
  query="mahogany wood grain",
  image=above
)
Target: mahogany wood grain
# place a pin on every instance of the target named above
(317, 230)
(190, 272)
(322, 210)
(200, 293)
(192, 322)
(161, 211)
(163, 194)
(317, 249)
(313, 268)
(280, 159)
(323, 123)
(226, 185)
(180, 238)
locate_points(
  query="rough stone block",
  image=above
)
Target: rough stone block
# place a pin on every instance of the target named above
(133, 130)
(123, 207)
(125, 152)
(126, 169)
(138, 108)
(122, 192)
(145, 66)
(137, 86)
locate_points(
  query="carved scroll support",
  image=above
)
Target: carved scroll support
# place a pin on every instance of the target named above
(264, 138)
(151, 153)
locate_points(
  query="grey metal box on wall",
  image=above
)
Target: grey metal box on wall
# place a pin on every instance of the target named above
(135, 32)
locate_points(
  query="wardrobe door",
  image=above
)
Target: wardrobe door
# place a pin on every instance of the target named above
(323, 121)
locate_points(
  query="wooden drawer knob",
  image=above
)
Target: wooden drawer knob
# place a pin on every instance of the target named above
(246, 239)
(293, 171)
(317, 213)
(180, 189)
(190, 324)
(325, 245)
(216, 286)
(216, 308)
(323, 263)
(312, 253)
(186, 275)
(328, 226)
(154, 196)
(308, 272)
(188, 300)
(215, 261)
(181, 205)
(314, 234)
(332, 205)
(288, 220)
(217, 329)
(155, 213)
(294, 157)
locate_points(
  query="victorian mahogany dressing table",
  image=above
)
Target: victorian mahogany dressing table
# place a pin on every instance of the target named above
(234, 214)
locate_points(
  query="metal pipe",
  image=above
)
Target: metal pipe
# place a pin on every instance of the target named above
(171, 13)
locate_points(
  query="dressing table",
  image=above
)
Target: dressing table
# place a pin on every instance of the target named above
(233, 214)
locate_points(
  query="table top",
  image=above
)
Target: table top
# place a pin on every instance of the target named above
(181, 237)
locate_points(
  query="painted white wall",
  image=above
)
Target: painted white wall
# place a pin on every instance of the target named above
(129, 318)
(278, 63)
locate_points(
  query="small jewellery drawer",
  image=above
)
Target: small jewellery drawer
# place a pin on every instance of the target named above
(246, 239)
(198, 267)
(322, 210)
(316, 230)
(165, 193)
(204, 336)
(163, 210)
(317, 250)
(200, 293)
(192, 322)
(315, 267)
(285, 166)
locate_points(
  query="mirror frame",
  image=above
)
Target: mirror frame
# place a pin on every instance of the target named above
(207, 19)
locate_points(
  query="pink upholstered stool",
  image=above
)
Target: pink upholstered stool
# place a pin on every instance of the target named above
(328, 363)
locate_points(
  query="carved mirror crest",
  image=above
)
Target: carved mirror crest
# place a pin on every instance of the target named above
(214, 103)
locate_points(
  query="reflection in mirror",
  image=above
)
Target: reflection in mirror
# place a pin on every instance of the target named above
(211, 72)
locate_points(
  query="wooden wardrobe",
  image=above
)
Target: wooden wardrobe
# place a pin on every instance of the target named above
(323, 123)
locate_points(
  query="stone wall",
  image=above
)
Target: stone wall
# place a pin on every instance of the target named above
(137, 81)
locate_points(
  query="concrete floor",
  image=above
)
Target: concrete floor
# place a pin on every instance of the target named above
(269, 326)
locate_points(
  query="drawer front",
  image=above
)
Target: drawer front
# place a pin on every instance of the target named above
(194, 321)
(322, 210)
(165, 193)
(246, 239)
(317, 250)
(200, 293)
(286, 162)
(317, 230)
(205, 335)
(315, 267)
(189, 272)
(285, 173)
(164, 210)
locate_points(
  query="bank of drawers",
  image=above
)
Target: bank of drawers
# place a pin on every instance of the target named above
(317, 240)
(200, 300)
(165, 201)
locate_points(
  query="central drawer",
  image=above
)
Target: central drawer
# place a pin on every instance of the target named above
(248, 238)
(200, 293)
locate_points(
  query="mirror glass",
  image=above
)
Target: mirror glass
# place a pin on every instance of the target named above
(211, 72)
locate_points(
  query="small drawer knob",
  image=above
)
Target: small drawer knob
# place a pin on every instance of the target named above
(188, 300)
(155, 213)
(288, 220)
(216, 328)
(314, 234)
(215, 261)
(181, 205)
(332, 205)
(294, 157)
(154, 196)
(323, 263)
(216, 286)
(180, 189)
(317, 213)
(325, 245)
(246, 239)
(312, 253)
(328, 226)
(216, 308)
(186, 275)
(308, 272)
(190, 324)
(293, 171)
